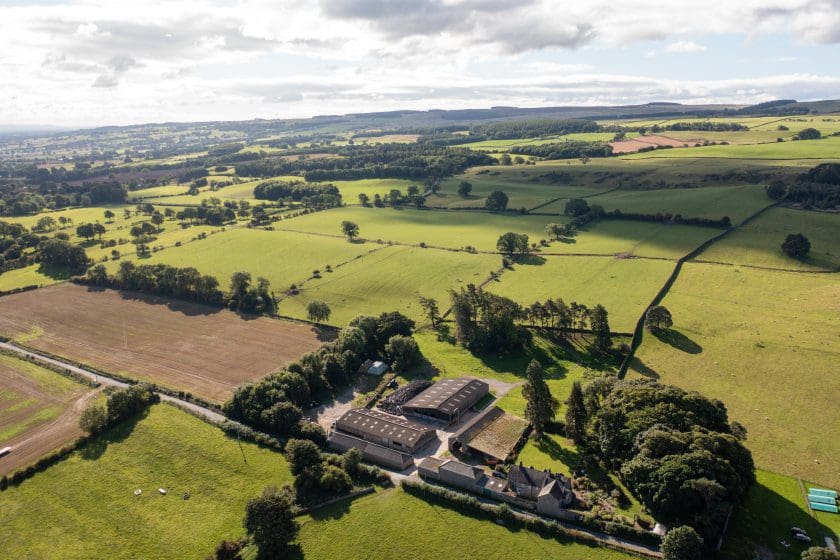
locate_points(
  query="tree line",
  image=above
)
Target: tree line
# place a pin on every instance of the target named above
(565, 150)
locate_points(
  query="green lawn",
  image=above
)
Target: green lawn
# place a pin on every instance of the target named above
(84, 507)
(737, 202)
(767, 344)
(624, 286)
(772, 507)
(453, 230)
(759, 242)
(392, 524)
(283, 257)
(390, 279)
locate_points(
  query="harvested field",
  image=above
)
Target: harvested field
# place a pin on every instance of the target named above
(183, 346)
(647, 141)
(39, 411)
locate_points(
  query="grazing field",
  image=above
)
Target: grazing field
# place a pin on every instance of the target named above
(767, 344)
(391, 279)
(759, 242)
(350, 190)
(184, 346)
(453, 230)
(624, 286)
(283, 257)
(825, 148)
(32, 275)
(390, 524)
(85, 507)
(39, 411)
(737, 202)
(772, 507)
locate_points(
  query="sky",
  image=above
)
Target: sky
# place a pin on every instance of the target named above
(113, 62)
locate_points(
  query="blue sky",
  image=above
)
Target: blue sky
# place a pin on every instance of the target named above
(97, 62)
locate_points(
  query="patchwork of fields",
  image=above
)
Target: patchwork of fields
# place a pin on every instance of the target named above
(184, 346)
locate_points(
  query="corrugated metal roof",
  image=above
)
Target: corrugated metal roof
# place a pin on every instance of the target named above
(449, 395)
(380, 424)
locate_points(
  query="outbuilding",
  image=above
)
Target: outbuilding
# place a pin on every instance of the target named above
(387, 430)
(448, 399)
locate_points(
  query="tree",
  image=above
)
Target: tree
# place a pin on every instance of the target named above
(820, 553)
(464, 189)
(796, 245)
(109, 216)
(157, 219)
(351, 460)
(576, 207)
(776, 190)
(62, 253)
(497, 201)
(540, 406)
(681, 543)
(318, 311)
(301, 454)
(86, 231)
(45, 223)
(364, 199)
(403, 352)
(395, 196)
(511, 244)
(350, 229)
(270, 520)
(229, 550)
(430, 310)
(576, 416)
(808, 134)
(600, 328)
(281, 418)
(335, 480)
(94, 419)
(505, 159)
(658, 318)
(98, 229)
(413, 190)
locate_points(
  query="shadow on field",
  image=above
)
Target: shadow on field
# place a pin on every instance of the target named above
(556, 452)
(639, 366)
(335, 511)
(185, 307)
(324, 334)
(54, 272)
(95, 448)
(679, 341)
(530, 260)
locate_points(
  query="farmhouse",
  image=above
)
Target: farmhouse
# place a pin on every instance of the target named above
(448, 399)
(461, 475)
(552, 492)
(492, 434)
(385, 429)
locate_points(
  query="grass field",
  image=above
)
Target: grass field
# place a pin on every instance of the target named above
(389, 525)
(84, 507)
(825, 148)
(283, 257)
(39, 411)
(624, 286)
(737, 202)
(183, 346)
(391, 279)
(772, 507)
(766, 344)
(350, 190)
(453, 230)
(759, 242)
(33, 275)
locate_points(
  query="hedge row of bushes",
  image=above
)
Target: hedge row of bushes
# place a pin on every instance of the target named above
(19, 290)
(77, 377)
(724, 222)
(41, 464)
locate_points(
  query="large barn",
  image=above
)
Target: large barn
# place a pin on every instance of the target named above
(448, 399)
(385, 429)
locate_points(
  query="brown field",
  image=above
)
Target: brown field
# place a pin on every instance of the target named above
(179, 345)
(39, 413)
(636, 144)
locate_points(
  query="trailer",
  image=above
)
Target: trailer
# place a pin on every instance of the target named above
(5, 451)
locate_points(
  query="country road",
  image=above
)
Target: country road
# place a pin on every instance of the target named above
(210, 414)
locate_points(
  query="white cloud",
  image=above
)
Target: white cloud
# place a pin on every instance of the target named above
(685, 47)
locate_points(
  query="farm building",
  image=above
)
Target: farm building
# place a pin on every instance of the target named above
(552, 492)
(461, 475)
(373, 368)
(447, 399)
(390, 458)
(385, 429)
(492, 434)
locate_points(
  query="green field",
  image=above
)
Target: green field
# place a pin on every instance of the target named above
(825, 148)
(737, 202)
(392, 524)
(624, 286)
(758, 243)
(84, 507)
(283, 257)
(772, 507)
(453, 230)
(391, 279)
(767, 344)
(350, 190)
(33, 275)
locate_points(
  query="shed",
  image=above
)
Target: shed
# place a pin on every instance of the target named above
(377, 368)
(448, 399)
(385, 429)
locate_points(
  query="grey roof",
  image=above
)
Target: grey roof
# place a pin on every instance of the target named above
(463, 470)
(431, 464)
(371, 452)
(557, 490)
(449, 395)
(380, 424)
(527, 476)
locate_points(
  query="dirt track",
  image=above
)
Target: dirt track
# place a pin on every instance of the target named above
(183, 346)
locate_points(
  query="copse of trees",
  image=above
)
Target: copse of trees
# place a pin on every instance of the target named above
(183, 283)
(486, 322)
(318, 311)
(464, 189)
(533, 127)
(246, 296)
(775, 190)
(808, 134)
(293, 190)
(270, 522)
(496, 201)
(565, 150)
(61, 253)
(513, 244)
(122, 404)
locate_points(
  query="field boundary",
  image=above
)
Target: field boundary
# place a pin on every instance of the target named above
(552, 201)
(638, 332)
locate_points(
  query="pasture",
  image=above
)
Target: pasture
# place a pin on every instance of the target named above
(823, 149)
(183, 346)
(767, 344)
(390, 524)
(624, 286)
(758, 243)
(32, 275)
(391, 279)
(39, 411)
(85, 507)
